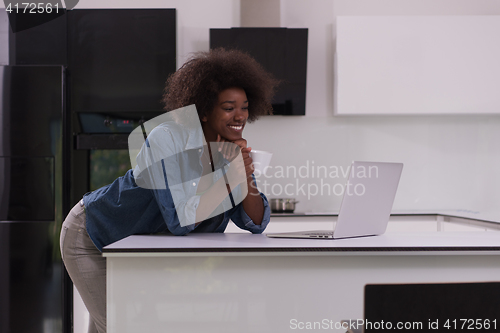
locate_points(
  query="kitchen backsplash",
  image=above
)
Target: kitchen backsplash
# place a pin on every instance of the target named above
(450, 162)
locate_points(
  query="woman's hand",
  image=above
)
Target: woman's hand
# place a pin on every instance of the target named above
(252, 203)
(229, 153)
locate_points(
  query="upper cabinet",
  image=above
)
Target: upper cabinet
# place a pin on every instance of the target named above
(119, 59)
(417, 65)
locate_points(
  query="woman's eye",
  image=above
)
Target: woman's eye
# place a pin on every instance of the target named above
(231, 109)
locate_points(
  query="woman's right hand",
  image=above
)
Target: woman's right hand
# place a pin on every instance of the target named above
(228, 149)
(232, 152)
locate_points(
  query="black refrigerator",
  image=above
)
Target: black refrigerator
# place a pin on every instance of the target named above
(74, 85)
(31, 212)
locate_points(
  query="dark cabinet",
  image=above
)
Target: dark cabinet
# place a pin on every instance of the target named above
(282, 52)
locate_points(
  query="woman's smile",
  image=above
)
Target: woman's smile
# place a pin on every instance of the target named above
(237, 128)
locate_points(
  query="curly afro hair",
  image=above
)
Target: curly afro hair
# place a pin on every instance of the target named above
(200, 80)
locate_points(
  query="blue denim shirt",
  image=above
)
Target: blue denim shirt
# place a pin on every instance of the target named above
(123, 208)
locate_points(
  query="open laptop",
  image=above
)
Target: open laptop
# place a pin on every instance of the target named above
(366, 203)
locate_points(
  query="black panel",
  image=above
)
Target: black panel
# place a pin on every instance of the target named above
(30, 198)
(30, 278)
(31, 110)
(42, 44)
(296, 71)
(4, 279)
(27, 192)
(433, 303)
(102, 141)
(282, 52)
(102, 123)
(119, 60)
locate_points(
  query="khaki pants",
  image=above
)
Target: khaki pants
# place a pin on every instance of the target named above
(86, 267)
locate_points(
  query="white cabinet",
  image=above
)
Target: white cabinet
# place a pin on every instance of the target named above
(417, 65)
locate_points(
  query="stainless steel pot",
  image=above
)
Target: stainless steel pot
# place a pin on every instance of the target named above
(283, 205)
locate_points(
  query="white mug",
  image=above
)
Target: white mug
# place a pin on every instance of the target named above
(261, 160)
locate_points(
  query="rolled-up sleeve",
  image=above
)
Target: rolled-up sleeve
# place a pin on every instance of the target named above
(243, 221)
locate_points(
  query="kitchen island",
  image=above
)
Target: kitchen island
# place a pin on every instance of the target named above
(238, 282)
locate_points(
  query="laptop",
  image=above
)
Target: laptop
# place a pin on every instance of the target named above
(366, 203)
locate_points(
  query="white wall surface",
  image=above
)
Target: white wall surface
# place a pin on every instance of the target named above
(450, 161)
(4, 38)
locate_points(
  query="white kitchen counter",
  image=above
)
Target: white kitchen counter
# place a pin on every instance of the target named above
(422, 243)
(250, 283)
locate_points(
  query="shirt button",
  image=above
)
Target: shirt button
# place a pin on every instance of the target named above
(199, 150)
(194, 184)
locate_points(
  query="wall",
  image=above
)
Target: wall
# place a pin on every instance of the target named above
(451, 162)
(4, 38)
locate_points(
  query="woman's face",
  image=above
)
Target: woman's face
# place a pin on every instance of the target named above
(228, 117)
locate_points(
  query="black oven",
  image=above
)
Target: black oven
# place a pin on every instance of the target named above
(118, 63)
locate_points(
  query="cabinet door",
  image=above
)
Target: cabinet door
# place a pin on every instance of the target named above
(119, 59)
(417, 65)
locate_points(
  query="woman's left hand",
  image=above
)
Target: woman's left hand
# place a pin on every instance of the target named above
(247, 159)
(252, 203)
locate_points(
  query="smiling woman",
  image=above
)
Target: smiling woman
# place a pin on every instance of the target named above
(228, 89)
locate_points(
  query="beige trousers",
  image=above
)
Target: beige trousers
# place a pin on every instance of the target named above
(86, 267)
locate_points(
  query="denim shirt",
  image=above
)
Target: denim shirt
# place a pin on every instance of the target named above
(123, 208)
